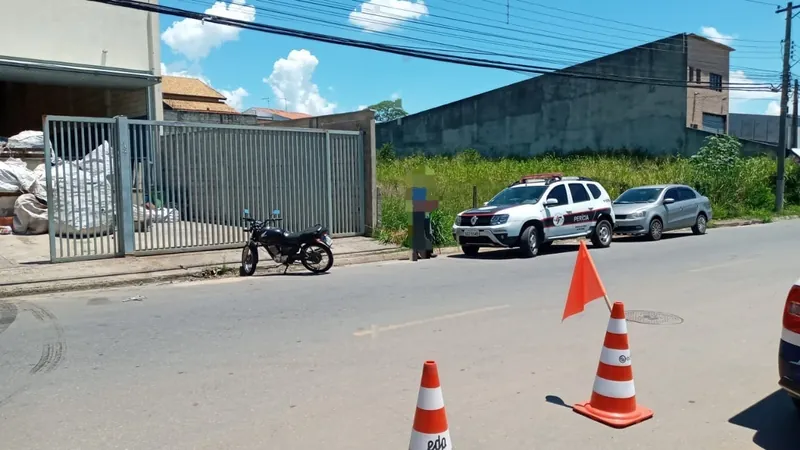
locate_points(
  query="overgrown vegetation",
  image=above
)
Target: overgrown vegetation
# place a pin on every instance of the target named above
(738, 187)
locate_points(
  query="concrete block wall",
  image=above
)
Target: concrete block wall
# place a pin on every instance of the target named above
(208, 117)
(561, 113)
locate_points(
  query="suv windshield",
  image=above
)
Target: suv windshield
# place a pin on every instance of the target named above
(639, 195)
(518, 195)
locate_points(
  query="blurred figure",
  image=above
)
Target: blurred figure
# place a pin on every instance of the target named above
(419, 204)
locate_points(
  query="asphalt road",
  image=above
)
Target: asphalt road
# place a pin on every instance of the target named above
(333, 362)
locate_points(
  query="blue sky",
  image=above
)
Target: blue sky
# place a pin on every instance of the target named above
(258, 69)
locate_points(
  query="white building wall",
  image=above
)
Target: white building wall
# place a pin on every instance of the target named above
(77, 32)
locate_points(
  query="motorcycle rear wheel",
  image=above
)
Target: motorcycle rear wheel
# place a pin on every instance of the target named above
(249, 260)
(309, 254)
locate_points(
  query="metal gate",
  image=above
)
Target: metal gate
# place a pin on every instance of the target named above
(180, 187)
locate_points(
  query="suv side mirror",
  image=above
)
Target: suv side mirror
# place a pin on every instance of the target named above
(485, 203)
(669, 200)
(551, 202)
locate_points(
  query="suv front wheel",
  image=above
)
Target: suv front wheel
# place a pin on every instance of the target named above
(529, 242)
(603, 232)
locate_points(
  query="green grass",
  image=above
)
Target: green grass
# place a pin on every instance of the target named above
(739, 189)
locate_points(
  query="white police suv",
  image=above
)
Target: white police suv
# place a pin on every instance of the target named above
(535, 211)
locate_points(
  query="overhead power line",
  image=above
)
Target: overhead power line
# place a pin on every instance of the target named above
(386, 11)
(406, 51)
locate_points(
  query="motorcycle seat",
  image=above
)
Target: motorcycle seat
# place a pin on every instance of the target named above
(305, 234)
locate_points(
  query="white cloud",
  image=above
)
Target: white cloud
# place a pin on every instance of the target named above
(395, 96)
(382, 15)
(235, 98)
(291, 80)
(742, 101)
(773, 109)
(362, 107)
(195, 39)
(714, 34)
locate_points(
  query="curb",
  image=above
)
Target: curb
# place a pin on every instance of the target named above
(198, 273)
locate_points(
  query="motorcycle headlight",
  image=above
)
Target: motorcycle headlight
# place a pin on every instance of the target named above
(499, 219)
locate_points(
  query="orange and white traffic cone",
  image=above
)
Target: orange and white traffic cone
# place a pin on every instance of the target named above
(613, 400)
(430, 431)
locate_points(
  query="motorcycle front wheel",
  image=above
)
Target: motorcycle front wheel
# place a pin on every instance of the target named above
(317, 258)
(249, 260)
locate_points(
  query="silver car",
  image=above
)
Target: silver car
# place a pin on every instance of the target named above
(652, 210)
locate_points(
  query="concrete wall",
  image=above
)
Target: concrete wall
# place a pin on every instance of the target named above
(205, 117)
(363, 121)
(696, 138)
(78, 32)
(758, 127)
(708, 57)
(552, 112)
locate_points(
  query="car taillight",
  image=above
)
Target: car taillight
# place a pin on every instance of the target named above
(791, 313)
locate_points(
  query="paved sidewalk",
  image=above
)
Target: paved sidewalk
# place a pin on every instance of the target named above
(25, 270)
(25, 267)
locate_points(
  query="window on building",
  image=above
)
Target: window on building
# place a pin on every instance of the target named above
(697, 76)
(689, 76)
(715, 81)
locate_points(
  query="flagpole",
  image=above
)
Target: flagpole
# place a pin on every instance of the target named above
(608, 301)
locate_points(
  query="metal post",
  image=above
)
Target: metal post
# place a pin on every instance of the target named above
(474, 196)
(329, 168)
(794, 114)
(52, 193)
(124, 216)
(781, 151)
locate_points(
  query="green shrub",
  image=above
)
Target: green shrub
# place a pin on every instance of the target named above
(737, 186)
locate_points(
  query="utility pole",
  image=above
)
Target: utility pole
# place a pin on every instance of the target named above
(781, 152)
(794, 114)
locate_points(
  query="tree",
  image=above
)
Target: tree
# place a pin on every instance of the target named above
(388, 110)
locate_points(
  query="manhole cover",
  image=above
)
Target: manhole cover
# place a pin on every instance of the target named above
(652, 317)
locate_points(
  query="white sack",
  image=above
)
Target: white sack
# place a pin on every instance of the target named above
(30, 215)
(83, 203)
(15, 178)
(27, 139)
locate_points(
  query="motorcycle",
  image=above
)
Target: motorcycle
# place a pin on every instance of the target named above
(309, 247)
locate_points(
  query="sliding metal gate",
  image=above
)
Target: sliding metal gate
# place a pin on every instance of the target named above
(120, 186)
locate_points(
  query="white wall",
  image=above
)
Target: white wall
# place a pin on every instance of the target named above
(77, 32)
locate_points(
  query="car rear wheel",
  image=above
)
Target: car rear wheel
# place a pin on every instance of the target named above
(529, 242)
(700, 225)
(602, 235)
(656, 229)
(470, 250)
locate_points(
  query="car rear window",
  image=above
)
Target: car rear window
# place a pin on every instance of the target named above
(594, 190)
(686, 194)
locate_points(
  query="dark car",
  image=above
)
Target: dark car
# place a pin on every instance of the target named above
(789, 352)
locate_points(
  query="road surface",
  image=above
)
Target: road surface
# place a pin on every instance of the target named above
(333, 362)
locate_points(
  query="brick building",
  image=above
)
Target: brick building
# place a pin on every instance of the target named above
(708, 67)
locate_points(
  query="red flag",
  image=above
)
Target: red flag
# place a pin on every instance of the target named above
(586, 285)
